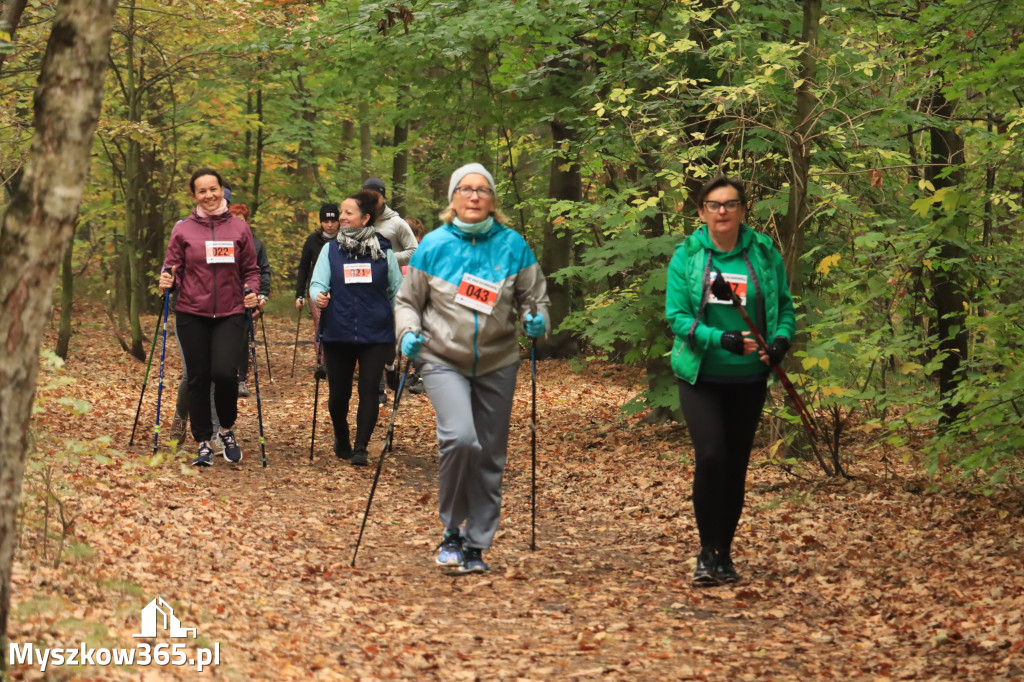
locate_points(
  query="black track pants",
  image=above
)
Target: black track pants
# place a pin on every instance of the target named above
(340, 360)
(210, 347)
(722, 420)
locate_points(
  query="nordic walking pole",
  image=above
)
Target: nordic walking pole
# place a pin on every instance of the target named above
(145, 380)
(805, 415)
(533, 438)
(295, 350)
(256, 380)
(380, 462)
(319, 374)
(160, 386)
(266, 348)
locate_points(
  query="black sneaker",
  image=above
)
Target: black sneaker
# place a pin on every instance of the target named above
(205, 456)
(232, 452)
(342, 448)
(359, 458)
(451, 549)
(473, 561)
(383, 397)
(416, 386)
(724, 571)
(391, 375)
(705, 574)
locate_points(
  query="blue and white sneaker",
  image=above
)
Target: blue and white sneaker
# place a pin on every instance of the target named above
(205, 456)
(451, 549)
(232, 452)
(473, 561)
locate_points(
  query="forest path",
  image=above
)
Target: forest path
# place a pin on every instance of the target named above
(872, 578)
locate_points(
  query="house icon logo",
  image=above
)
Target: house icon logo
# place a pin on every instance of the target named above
(158, 611)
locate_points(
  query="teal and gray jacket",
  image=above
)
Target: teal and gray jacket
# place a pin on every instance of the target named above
(471, 341)
(689, 281)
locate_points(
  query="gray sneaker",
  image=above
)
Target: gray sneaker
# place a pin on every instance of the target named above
(243, 390)
(217, 444)
(178, 429)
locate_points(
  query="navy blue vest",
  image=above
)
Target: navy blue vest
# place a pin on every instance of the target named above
(358, 313)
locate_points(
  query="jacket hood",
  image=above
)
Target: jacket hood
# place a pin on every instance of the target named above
(387, 214)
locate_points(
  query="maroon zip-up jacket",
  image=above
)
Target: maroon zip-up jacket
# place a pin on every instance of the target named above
(212, 289)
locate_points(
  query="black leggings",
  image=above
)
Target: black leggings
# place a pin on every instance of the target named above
(210, 347)
(340, 360)
(722, 420)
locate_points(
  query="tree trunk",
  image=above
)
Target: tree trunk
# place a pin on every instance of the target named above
(800, 153)
(133, 190)
(564, 183)
(365, 140)
(305, 161)
(67, 292)
(257, 175)
(36, 228)
(400, 164)
(9, 21)
(948, 294)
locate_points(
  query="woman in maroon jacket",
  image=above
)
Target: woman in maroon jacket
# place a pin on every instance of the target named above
(210, 260)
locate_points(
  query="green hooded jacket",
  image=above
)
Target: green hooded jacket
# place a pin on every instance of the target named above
(689, 284)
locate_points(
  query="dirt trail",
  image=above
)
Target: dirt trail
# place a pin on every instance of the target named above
(859, 580)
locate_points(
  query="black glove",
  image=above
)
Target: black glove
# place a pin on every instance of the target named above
(720, 288)
(732, 341)
(777, 349)
(320, 372)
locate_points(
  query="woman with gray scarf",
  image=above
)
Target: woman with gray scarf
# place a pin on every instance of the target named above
(355, 281)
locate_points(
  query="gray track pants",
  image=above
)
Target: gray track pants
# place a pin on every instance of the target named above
(473, 415)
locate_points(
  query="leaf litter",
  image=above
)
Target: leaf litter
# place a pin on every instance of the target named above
(859, 579)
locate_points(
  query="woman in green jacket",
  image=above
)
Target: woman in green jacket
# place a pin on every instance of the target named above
(722, 381)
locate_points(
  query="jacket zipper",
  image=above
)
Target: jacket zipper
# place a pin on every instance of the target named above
(214, 238)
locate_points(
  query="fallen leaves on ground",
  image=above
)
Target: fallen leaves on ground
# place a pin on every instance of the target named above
(868, 578)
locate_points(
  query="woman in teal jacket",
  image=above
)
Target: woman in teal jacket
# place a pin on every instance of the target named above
(722, 381)
(470, 283)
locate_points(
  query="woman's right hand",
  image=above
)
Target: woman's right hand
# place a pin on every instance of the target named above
(298, 302)
(322, 300)
(167, 279)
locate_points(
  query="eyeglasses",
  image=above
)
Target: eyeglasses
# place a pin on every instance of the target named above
(716, 206)
(467, 192)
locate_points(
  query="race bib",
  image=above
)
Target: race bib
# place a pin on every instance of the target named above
(738, 284)
(220, 252)
(358, 273)
(478, 294)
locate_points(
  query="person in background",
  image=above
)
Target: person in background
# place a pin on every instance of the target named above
(470, 282)
(415, 383)
(241, 211)
(403, 242)
(210, 260)
(391, 226)
(722, 380)
(310, 252)
(354, 283)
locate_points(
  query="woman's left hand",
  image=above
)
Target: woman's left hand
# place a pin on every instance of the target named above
(250, 300)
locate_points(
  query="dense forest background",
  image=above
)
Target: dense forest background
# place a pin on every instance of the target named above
(880, 140)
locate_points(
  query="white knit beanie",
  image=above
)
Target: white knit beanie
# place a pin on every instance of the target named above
(468, 169)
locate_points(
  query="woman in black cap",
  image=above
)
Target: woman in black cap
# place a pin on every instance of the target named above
(310, 252)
